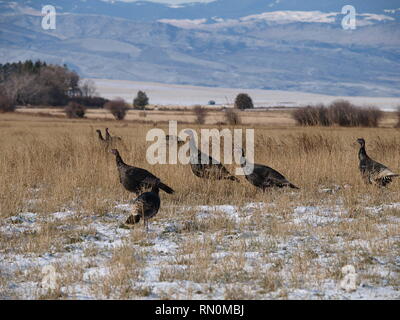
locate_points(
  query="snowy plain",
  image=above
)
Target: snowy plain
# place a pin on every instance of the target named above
(240, 261)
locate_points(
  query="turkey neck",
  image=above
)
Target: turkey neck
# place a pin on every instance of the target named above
(362, 154)
(120, 162)
(194, 152)
(244, 164)
(100, 135)
(243, 161)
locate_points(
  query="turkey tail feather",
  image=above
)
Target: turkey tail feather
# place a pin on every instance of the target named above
(165, 188)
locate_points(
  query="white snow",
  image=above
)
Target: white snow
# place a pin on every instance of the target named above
(162, 247)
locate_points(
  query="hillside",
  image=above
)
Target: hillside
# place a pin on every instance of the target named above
(241, 45)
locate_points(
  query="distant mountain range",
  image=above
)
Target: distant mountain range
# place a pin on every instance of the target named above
(266, 44)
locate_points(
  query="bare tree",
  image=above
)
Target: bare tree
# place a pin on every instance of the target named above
(87, 87)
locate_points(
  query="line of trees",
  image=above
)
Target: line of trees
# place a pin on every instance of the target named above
(39, 83)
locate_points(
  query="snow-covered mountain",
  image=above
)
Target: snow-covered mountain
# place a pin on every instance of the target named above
(268, 44)
(226, 9)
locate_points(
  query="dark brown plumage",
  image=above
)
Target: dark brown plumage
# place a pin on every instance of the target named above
(135, 179)
(372, 171)
(263, 177)
(204, 166)
(145, 207)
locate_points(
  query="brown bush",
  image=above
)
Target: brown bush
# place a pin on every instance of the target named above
(311, 115)
(118, 108)
(232, 117)
(339, 112)
(345, 114)
(200, 113)
(7, 104)
(75, 110)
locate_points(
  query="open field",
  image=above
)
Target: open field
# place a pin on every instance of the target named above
(215, 116)
(61, 204)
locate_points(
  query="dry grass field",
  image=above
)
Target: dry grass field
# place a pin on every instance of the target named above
(61, 204)
(215, 115)
(185, 115)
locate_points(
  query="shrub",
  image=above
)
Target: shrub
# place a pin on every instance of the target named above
(232, 117)
(75, 110)
(370, 117)
(309, 115)
(339, 112)
(343, 113)
(7, 104)
(243, 101)
(141, 101)
(118, 108)
(200, 114)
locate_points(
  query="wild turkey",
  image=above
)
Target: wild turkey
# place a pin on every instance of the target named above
(135, 179)
(111, 138)
(145, 207)
(204, 166)
(372, 171)
(263, 177)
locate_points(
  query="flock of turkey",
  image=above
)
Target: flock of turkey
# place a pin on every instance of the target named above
(147, 204)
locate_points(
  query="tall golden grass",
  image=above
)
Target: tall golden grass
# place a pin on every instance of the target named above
(61, 164)
(53, 164)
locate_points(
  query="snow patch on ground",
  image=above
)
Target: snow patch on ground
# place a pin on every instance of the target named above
(99, 237)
